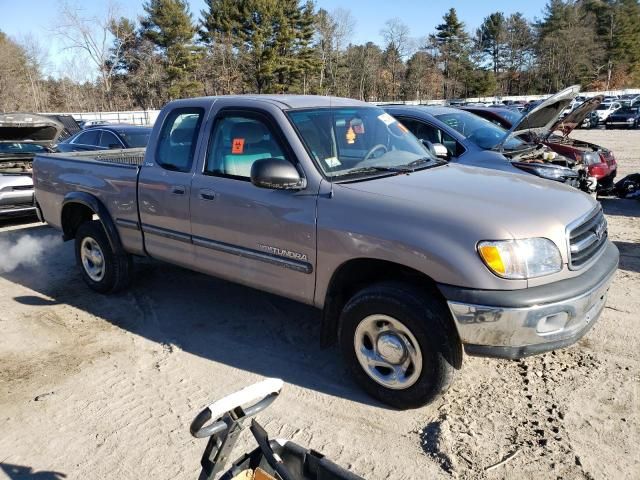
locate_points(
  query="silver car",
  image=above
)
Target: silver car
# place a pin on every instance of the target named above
(22, 136)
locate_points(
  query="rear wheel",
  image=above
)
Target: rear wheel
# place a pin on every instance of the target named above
(103, 270)
(399, 344)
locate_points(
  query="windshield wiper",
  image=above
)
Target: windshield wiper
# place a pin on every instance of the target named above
(414, 165)
(371, 169)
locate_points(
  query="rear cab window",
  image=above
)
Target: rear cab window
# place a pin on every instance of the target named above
(178, 139)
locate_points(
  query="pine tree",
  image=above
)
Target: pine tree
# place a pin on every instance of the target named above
(271, 37)
(491, 37)
(168, 24)
(452, 41)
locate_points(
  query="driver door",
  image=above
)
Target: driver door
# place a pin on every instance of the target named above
(427, 132)
(255, 236)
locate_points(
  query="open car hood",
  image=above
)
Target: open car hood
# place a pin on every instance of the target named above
(29, 127)
(540, 118)
(575, 118)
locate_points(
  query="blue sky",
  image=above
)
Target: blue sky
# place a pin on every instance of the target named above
(36, 18)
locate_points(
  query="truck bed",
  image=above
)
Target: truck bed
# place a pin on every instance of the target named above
(109, 175)
(132, 156)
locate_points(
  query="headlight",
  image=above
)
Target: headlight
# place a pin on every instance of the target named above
(590, 158)
(520, 259)
(548, 171)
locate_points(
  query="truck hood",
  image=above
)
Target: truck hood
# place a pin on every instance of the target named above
(540, 118)
(521, 204)
(575, 118)
(29, 127)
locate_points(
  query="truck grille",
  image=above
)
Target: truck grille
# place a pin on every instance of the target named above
(587, 239)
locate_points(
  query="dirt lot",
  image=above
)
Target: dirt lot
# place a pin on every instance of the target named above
(105, 387)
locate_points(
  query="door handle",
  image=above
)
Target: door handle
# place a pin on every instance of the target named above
(206, 194)
(178, 189)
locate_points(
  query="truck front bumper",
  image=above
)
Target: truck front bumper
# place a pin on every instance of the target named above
(517, 323)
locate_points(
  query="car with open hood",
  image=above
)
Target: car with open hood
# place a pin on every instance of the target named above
(624, 117)
(22, 136)
(599, 161)
(460, 136)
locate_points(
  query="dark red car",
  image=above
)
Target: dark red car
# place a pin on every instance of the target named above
(600, 162)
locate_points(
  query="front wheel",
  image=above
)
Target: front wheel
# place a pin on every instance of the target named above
(103, 270)
(399, 344)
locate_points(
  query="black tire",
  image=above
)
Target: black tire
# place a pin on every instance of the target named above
(117, 267)
(428, 320)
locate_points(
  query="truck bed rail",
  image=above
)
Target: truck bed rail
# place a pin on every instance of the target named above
(130, 156)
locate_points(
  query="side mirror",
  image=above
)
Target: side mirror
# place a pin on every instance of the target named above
(437, 149)
(276, 174)
(440, 150)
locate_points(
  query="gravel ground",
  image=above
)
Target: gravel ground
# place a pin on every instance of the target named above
(105, 387)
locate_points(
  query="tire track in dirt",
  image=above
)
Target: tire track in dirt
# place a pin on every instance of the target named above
(515, 415)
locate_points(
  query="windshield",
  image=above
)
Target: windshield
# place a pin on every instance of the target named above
(483, 133)
(512, 116)
(21, 148)
(342, 140)
(136, 139)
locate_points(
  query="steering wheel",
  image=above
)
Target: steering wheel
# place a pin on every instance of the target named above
(263, 393)
(372, 150)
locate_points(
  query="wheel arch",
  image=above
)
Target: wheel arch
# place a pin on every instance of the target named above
(354, 275)
(80, 207)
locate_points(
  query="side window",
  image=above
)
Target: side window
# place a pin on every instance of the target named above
(89, 137)
(178, 138)
(453, 147)
(107, 139)
(424, 131)
(238, 141)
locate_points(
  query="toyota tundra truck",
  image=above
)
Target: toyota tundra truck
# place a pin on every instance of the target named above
(332, 202)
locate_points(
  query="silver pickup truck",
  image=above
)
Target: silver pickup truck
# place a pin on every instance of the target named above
(333, 203)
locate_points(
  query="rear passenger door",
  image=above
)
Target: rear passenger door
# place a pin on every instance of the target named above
(87, 140)
(109, 140)
(165, 184)
(255, 236)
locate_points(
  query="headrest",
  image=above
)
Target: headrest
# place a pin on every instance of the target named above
(182, 135)
(251, 132)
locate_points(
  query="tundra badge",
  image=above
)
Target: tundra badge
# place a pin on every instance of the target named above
(281, 252)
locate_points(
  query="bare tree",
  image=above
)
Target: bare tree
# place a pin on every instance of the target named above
(94, 37)
(334, 30)
(37, 61)
(398, 44)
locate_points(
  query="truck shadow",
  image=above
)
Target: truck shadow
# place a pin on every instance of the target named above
(629, 256)
(214, 319)
(20, 472)
(621, 207)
